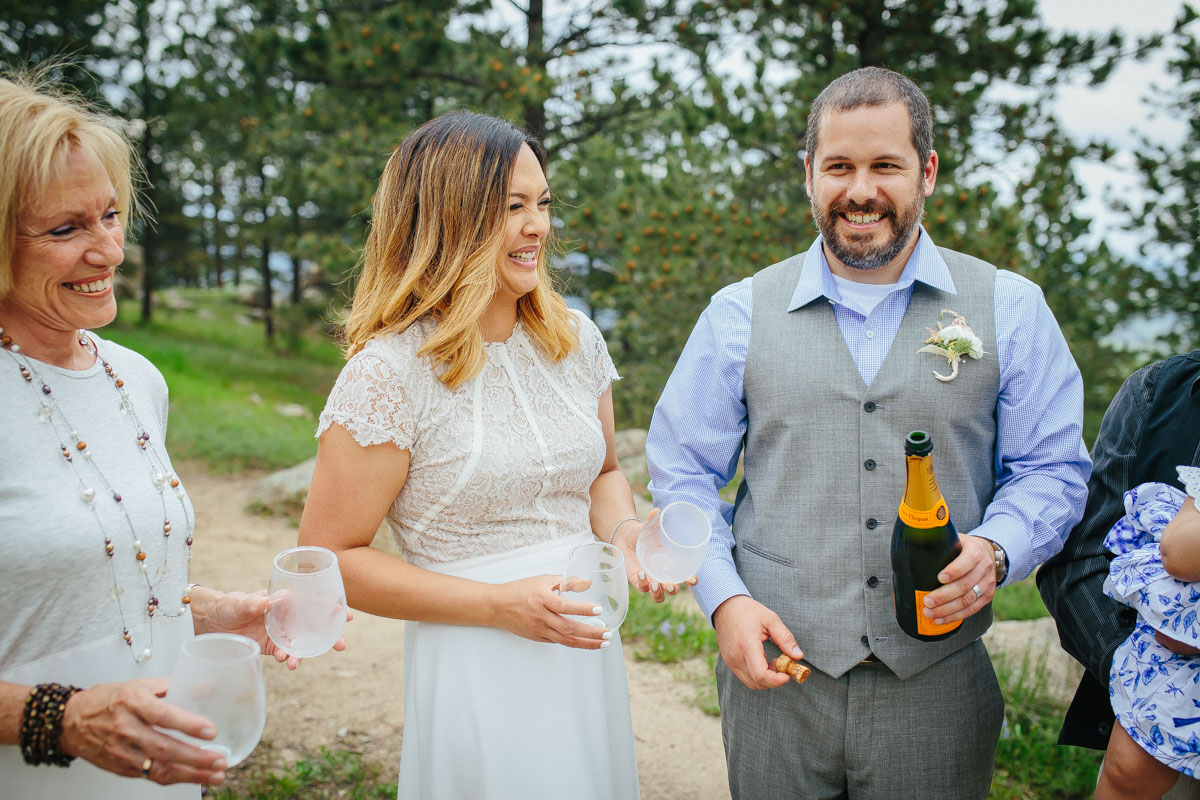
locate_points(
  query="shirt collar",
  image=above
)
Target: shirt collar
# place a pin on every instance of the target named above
(924, 265)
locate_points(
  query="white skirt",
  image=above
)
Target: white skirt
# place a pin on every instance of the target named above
(488, 714)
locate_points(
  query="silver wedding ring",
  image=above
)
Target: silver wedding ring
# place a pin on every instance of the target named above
(146, 765)
(978, 594)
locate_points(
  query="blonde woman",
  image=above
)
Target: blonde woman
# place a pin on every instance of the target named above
(476, 414)
(95, 527)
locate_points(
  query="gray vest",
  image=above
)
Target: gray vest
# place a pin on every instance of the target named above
(825, 470)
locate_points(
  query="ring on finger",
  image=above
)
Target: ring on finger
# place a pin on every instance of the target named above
(978, 593)
(146, 765)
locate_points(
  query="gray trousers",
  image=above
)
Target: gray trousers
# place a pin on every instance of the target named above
(867, 735)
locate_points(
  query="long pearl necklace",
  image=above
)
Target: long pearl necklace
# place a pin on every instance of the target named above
(72, 445)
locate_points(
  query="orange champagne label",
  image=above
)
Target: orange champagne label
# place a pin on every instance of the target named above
(925, 625)
(933, 518)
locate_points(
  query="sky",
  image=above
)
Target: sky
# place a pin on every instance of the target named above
(1114, 111)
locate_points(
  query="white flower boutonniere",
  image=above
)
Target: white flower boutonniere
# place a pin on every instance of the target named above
(952, 342)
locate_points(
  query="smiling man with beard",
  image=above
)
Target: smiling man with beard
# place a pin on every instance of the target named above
(811, 370)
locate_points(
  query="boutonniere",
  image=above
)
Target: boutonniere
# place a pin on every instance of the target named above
(952, 342)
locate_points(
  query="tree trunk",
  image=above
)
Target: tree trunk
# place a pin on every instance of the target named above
(146, 98)
(267, 305)
(535, 56)
(297, 271)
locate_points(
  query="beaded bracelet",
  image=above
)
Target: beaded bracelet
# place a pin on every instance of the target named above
(41, 724)
(612, 536)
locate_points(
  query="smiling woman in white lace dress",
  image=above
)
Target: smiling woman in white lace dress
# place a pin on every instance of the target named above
(476, 415)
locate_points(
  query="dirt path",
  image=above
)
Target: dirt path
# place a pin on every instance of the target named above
(354, 699)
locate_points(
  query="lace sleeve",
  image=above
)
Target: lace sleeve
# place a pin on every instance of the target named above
(370, 401)
(1190, 478)
(604, 372)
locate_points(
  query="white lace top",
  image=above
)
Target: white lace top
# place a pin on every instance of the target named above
(504, 461)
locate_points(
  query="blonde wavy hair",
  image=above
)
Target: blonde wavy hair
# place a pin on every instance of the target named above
(436, 236)
(39, 125)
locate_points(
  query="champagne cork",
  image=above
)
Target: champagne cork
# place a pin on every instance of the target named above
(793, 668)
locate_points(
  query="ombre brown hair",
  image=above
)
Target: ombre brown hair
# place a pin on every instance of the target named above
(39, 126)
(436, 236)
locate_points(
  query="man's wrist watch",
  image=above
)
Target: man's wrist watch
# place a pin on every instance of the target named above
(1001, 561)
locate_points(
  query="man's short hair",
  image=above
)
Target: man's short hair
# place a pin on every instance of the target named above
(873, 86)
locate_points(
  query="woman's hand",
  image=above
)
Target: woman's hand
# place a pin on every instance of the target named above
(245, 614)
(112, 725)
(626, 542)
(533, 609)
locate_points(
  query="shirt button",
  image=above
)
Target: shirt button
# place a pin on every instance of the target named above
(872, 581)
(866, 642)
(872, 523)
(870, 334)
(869, 463)
(870, 406)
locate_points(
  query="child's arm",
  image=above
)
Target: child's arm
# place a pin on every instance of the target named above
(1181, 543)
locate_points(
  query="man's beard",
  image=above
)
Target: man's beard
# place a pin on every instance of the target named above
(861, 254)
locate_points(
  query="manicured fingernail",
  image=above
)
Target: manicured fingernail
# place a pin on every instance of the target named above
(604, 644)
(208, 733)
(607, 635)
(654, 587)
(670, 588)
(641, 576)
(597, 610)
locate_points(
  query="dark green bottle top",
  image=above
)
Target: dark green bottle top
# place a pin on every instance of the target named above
(918, 443)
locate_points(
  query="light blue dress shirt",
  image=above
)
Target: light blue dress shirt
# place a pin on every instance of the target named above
(1041, 465)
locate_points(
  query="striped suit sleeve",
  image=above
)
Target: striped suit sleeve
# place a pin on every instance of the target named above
(1090, 624)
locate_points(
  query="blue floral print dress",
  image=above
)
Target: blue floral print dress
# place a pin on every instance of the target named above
(1156, 693)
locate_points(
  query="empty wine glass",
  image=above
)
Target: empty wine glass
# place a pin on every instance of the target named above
(308, 602)
(595, 573)
(672, 544)
(218, 676)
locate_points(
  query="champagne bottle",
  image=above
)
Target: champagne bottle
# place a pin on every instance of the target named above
(924, 542)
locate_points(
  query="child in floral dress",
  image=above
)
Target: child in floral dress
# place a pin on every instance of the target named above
(1155, 688)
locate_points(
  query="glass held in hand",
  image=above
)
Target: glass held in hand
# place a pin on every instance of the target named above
(595, 573)
(308, 602)
(218, 676)
(672, 544)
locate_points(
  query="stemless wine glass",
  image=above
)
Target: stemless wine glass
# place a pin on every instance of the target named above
(219, 677)
(671, 546)
(308, 602)
(602, 570)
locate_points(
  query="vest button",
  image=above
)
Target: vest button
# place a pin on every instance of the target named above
(865, 641)
(869, 463)
(872, 523)
(870, 406)
(872, 581)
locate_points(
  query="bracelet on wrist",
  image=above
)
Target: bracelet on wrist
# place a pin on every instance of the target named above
(41, 724)
(613, 535)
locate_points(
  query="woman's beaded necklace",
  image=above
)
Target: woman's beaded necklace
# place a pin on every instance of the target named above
(71, 446)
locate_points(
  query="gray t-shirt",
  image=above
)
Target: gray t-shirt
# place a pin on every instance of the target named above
(56, 582)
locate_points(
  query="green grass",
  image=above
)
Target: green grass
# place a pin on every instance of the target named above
(325, 775)
(1019, 601)
(225, 382)
(1030, 765)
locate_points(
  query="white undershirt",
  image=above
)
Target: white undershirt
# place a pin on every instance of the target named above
(863, 297)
